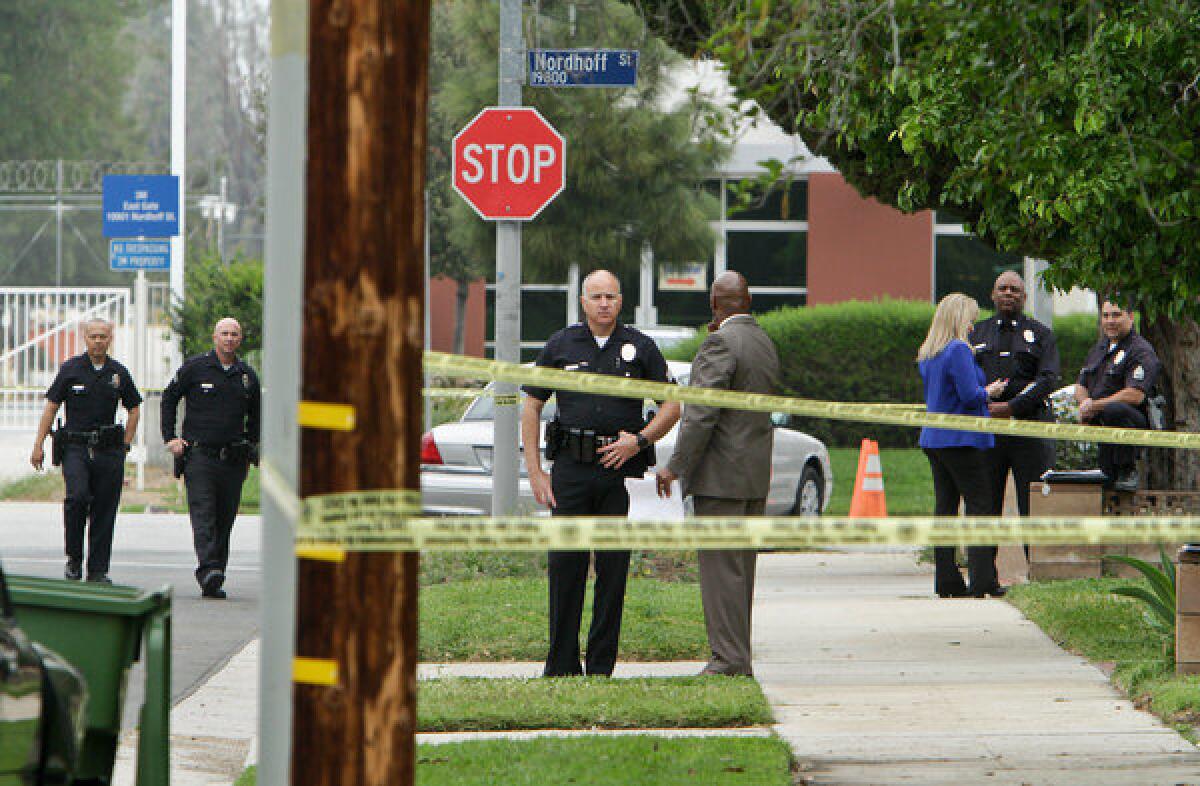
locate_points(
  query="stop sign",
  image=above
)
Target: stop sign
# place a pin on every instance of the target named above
(509, 163)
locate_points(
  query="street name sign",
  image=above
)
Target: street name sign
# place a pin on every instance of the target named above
(139, 254)
(583, 67)
(509, 163)
(141, 205)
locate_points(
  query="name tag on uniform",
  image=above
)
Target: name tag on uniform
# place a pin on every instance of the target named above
(571, 367)
(78, 389)
(207, 387)
(1005, 354)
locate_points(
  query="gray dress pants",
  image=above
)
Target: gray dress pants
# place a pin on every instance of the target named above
(727, 590)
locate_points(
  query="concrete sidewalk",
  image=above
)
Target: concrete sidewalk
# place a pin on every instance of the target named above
(875, 681)
(872, 679)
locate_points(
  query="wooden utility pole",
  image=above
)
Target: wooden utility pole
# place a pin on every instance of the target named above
(362, 344)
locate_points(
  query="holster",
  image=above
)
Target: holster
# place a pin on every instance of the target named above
(58, 444)
(236, 452)
(111, 437)
(181, 461)
(554, 435)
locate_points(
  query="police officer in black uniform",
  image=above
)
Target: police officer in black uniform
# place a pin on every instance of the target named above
(1117, 375)
(1014, 347)
(219, 441)
(91, 447)
(596, 442)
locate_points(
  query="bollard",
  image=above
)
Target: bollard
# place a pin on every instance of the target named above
(1187, 611)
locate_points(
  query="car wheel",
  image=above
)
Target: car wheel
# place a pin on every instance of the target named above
(810, 493)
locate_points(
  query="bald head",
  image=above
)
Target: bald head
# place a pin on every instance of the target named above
(730, 295)
(1008, 294)
(227, 337)
(600, 297)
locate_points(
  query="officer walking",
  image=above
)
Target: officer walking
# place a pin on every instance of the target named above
(596, 442)
(1117, 375)
(1017, 348)
(91, 447)
(219, 441)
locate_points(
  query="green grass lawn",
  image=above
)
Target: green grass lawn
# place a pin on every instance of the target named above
(440, 567)
(166, 496)
(906, 481)
(603, 761)
(486, 704)
(505, 619)
(1084, 617)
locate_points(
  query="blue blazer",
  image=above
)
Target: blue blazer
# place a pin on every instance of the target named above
(954, 385)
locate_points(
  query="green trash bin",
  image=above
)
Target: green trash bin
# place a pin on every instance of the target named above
(100, 629)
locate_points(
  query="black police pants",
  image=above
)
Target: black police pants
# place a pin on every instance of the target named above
(961, 474)
(586, 490)
(214, 489)
(93, 482)
(1027, 458)
(1115, 459)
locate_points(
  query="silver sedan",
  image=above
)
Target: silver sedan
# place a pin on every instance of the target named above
(456, 464)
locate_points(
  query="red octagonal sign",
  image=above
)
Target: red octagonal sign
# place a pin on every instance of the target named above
(509, 163)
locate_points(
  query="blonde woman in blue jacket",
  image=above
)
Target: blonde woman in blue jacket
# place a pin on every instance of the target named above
(954, 385)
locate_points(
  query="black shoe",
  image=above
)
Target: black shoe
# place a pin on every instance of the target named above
(99, 578)
(74, 570)
(1126, 481)
(961, 592)
(997, 591)
(214, 594)
(212, 584)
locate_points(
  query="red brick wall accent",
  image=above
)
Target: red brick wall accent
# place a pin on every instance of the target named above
(442, 305)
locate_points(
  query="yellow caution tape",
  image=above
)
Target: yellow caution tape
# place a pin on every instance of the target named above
(314, 671)
(538, 533)
(625, 387)
(455, 392)
(322, 415)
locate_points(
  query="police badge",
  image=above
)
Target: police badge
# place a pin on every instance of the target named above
(1117, 358)
(628, 353)
(1139, 373)
(116, 380)
(1029, 337)
(246, 381)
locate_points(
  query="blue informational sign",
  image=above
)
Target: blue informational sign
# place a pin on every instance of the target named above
(583, 67)
(142, 254)
(141, 205)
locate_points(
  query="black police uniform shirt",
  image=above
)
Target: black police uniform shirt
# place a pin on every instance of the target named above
(1023, 351)
(627, 353)
(91, 396)
(1128, 363)
(223, 405)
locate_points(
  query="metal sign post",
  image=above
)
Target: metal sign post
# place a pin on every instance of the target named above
(505, 473)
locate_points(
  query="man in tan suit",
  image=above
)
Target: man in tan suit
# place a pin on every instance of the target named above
(724, 459)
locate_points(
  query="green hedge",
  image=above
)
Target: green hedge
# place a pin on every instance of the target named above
(865, 351)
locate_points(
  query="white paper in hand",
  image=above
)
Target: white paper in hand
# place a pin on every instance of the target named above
(646, 505)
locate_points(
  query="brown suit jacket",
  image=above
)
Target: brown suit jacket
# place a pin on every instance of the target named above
(727, 452)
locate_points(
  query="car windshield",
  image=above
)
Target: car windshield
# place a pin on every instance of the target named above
(484, 407)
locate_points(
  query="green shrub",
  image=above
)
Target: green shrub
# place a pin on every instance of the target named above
(216, 290)
(865, 351)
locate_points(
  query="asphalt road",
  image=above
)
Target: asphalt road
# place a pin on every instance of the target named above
(151, 550)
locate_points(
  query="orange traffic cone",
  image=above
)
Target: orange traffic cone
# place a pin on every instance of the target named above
(868, 500)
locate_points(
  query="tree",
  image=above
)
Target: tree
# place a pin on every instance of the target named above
(635, 166)
(1065, 131)
(216, 291)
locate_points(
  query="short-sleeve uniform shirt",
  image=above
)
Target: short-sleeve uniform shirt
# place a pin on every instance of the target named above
(627, 353)
(1113, 366)
(91, 395)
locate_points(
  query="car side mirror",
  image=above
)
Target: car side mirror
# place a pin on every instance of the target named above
(780, 419)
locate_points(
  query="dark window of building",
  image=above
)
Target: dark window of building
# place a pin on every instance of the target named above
(761, 304)
(943, 216)
(967, 265)
(786, 200)
(542, 313)
(769, 259)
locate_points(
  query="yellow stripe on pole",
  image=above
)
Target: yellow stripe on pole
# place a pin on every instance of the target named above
(321, 553)
(321, 415)
(315, 671)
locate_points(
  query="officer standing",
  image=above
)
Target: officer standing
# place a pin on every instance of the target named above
(1118, 374)
(91, 447)
(1017, 348)
(596, 442)
(219, 441)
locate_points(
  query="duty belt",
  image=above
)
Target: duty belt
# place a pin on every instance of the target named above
(105, 437)
(237, 450)
(581, 444)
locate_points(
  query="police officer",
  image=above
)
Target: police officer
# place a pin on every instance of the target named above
(220, 439)
(596, 442)
(1117, 375)
(91, 447)
(1016, 348)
